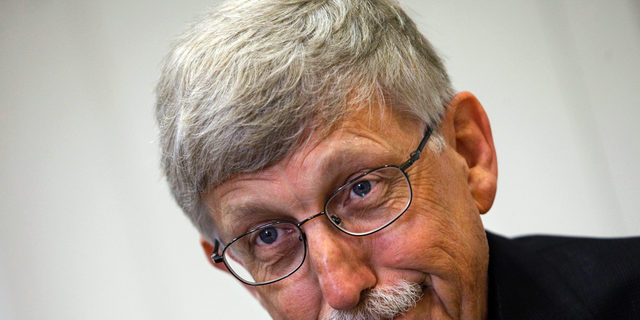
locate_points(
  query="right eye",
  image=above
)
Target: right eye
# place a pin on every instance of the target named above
(268, 236)
(271, 242)
(362, 188)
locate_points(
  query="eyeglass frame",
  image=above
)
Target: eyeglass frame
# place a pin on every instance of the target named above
(413, 157)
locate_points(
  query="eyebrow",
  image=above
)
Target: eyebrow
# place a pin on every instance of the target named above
(238, 212)
(236, 216)
(347, 158)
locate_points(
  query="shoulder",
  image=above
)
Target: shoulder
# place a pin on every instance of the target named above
(565, 277)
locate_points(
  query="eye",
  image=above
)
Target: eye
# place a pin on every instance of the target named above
(362, 188)
(268, 236)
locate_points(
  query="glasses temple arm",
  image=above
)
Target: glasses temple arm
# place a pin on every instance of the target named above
(416, 154)
(214, 256)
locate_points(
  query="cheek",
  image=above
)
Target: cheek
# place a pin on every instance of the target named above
(293, 298)
(441, 233)
(414, 243)
(442, 196)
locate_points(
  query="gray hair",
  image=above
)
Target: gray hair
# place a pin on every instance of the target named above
(244, 86)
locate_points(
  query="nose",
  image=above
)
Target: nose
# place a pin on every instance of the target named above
(341, 264)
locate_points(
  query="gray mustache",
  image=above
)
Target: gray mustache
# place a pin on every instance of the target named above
(382, 303)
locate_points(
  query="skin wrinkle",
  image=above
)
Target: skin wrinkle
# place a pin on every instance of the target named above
(457, 300)
(444, 261)
(444, 283)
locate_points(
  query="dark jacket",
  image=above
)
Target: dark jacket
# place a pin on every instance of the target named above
(544, 277)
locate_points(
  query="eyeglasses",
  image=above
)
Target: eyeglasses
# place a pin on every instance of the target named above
(362, 206)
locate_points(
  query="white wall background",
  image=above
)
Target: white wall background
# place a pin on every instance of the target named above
(87, 227)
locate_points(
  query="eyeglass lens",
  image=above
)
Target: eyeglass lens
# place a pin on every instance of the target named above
(370, 202)
(269, 253)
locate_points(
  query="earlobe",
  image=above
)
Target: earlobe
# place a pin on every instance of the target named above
(474, 142)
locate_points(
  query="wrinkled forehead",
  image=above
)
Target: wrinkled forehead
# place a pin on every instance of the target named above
(324, 140)
(375, 115)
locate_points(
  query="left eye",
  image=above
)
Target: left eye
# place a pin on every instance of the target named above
(362, 188)
(268, 236)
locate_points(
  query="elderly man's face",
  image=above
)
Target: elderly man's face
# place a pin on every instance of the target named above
(439, 243)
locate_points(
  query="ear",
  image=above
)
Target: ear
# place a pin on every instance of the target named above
(208, 252)
(474, 142)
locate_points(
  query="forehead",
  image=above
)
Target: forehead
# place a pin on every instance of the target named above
(301, 182)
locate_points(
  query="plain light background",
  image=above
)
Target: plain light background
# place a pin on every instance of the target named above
(88, 229)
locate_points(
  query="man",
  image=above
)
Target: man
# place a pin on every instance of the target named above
(319, 148)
